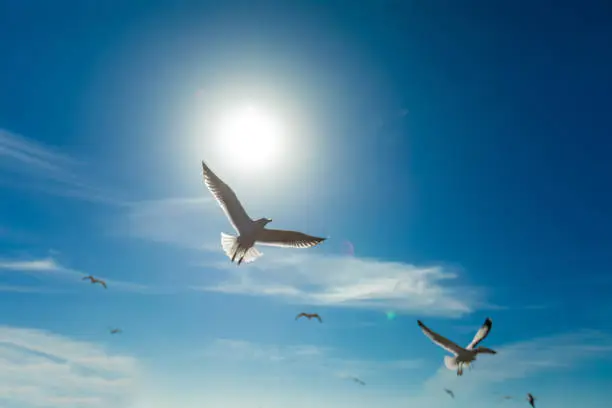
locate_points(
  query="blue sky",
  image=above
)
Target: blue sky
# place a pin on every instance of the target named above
(462, 149)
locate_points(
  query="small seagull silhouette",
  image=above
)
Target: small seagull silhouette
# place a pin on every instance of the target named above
(531, 399)
(94, 280)
(358, 381)
(115, 331)
(449, 392)
(309, 316)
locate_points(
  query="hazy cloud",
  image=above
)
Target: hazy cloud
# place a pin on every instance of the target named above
(352, 282)
(46, 168)
(43, 369)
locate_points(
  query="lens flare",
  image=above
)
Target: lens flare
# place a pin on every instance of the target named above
(348, 248)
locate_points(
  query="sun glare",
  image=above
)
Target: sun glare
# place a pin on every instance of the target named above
(249, 137)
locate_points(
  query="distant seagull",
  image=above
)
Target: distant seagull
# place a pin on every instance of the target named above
(94, 280)
(450, 392)
(249, 231)
(358, 381)
(531, 399)
(309, 316)
(115, 331)
(506, 397)
(463, 356)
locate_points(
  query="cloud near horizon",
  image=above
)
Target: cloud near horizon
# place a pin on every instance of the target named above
(44, 369)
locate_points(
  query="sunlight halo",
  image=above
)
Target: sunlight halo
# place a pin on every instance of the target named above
(250, 137)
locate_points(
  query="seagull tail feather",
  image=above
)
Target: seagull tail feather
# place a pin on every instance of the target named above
(451, 362)
(234, 251)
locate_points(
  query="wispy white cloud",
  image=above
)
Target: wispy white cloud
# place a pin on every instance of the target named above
(50, 269)
(30, 265)
(47, 168)
(184, 222)
(526, 359)
(301, 276)
(352, 282)
(325, 359)
(43, 369)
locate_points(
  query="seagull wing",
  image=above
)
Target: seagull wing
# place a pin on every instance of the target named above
(482, 334)
(86, 277)
(291, 239)
(300, 315)
(103, 284)
(227, 199)
(441, 341)
(318, 317)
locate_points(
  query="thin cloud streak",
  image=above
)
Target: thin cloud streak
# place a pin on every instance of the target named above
(305, 356)
(48, 170)
(49, 268)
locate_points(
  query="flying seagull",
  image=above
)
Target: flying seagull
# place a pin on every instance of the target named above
(531, 399)
(94, 280)
(115, 331)
(309, 316)
(249, 231)
(507, 397)
(358, 381)
(450, 392)
(463, 356)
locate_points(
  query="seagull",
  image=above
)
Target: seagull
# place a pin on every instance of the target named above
(507, 397)
(94, 280)
(450, 392)
(115, 331)
(249, 231)
(463, 356)
(358, 381)
(531, 399)
(309, 316)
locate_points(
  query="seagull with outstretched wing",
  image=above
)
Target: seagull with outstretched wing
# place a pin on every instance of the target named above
(462, 356)
(94, 280)
(250, 232)
(309, 316)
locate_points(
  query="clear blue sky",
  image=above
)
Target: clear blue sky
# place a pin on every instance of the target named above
(462, 148)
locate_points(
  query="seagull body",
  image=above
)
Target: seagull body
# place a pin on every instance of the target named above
(94, 280)
(309, 316)
(250, 232)
(450, 392)
(462, 356)
(531, 399)
(358, 381)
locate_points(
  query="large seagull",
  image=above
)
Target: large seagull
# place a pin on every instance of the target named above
(462, 356)
(242, 247)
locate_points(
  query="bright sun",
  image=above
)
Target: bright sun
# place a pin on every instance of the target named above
(249, 137)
